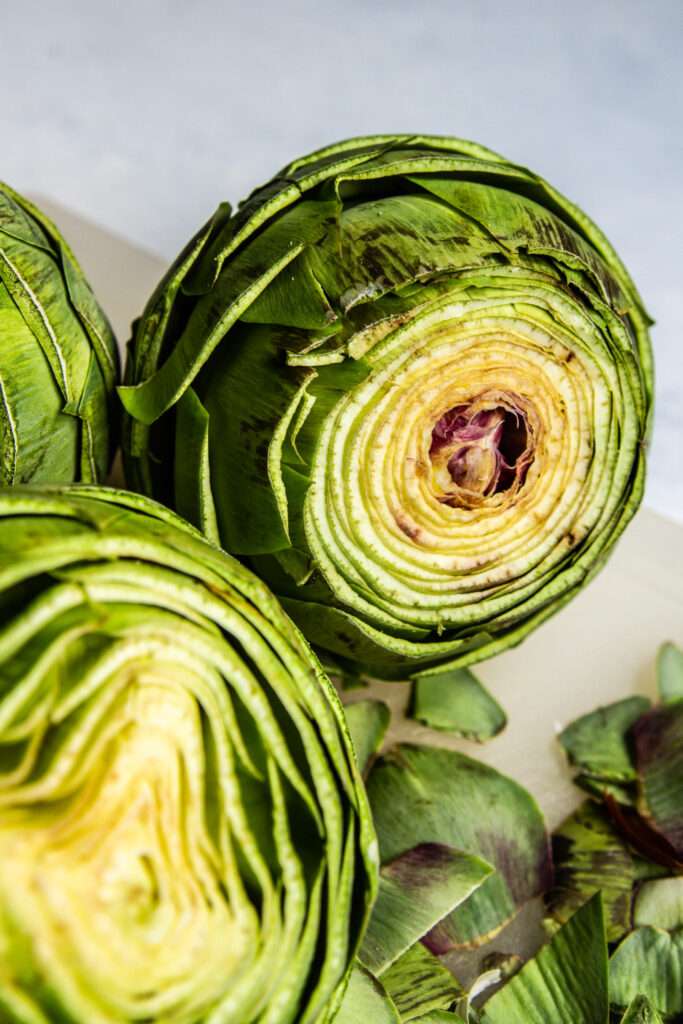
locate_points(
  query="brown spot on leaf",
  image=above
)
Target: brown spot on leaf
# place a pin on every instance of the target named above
(410, 530)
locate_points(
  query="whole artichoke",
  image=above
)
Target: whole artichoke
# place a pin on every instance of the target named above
(184, 835)
(411, 383)
(58, 356)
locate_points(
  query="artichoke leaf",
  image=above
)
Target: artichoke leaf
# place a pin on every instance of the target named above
(670, 673)
(649, 962)
(425, 795)
(658, 743)
(365, 999)
(566, 980)
(418, 983)
(590, 856)
(368, 721)
(416, 890)
(659, 903)
(455, 701)
(597, 743)
(641, 1011)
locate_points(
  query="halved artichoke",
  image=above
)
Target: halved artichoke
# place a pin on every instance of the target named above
(411, 383)
(58, 357)
(184, 836)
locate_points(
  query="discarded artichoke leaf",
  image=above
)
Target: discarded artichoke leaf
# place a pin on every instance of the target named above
(646, 840)
(366, 1001)
(416, 890)
(658, 745)
(597, 743)
(455, 701)
(670, 673)
(368, 721)
(418, 983)
(641, 1011)
(590, 856)
(622, 794)
(659, 903)
(429, 795)
(648, 869)
(649, 962)
(565, 981)
(442, 1017)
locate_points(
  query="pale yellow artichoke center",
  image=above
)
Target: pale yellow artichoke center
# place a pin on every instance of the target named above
(482, 448)
(469, 461)
(109, 874)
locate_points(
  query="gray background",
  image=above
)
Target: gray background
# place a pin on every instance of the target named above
(143, 115)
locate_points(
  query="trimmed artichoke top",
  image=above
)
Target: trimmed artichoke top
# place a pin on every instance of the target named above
(184, 835)
(58, 356)
(411, 384)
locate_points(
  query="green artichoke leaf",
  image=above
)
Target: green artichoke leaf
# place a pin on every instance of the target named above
(590, 856)
(441, 1017)
(254, 514)
(143, 359)
(217, 311)
(184, 834)
(659, 903)
(416, 890)
(366, 999)
(598, 745)
(295, 299)
(368, 721)
(520, 224)
(387, 244)
(456, 701)
(622, 794)
(59, 360)
(427, 382)
(193, 471)
(641, 1011)
(426, 795)
(670, 673)
(649, 962)
(419, 983)
(658, 746)
(566, 980)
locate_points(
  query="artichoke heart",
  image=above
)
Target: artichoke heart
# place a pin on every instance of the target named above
(411, 384)
(184, 836)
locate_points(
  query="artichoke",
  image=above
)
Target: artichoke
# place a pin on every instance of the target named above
(58, 356)
(410, 383)
(184, 835)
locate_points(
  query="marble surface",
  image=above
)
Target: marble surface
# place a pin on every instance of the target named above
(143, 114)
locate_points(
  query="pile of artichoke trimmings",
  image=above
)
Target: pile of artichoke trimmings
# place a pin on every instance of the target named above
(409, 384)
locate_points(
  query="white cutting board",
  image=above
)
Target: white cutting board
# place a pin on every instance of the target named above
(598, 649)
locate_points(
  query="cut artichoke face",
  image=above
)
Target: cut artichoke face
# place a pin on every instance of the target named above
(184, 835)
(415, 383)
(488, 449)
(58, 357)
